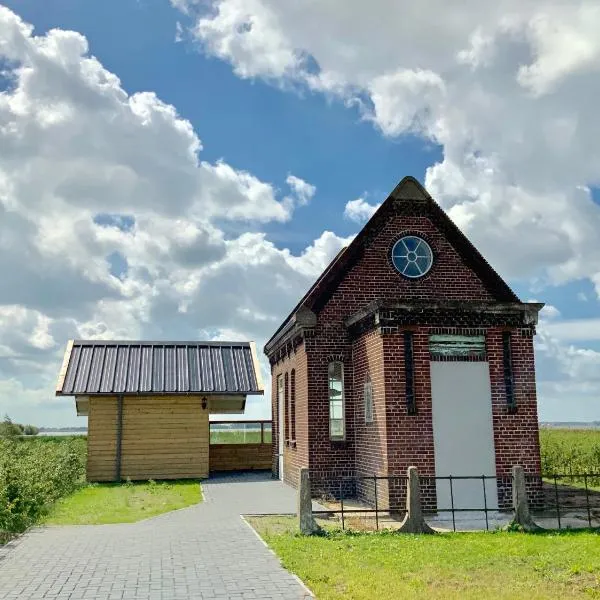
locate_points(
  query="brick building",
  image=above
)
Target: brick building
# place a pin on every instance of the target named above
(408, 350)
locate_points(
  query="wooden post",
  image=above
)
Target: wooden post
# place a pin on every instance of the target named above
(522, 516)
(119, 437)
(306, 521)
(413, 521)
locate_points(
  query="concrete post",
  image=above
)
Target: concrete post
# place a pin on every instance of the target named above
(522, 516)
(413, 521)
(306, 521)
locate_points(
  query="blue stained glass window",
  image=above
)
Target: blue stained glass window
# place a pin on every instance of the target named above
(412, 256)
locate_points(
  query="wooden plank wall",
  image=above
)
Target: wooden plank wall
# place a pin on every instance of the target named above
(239, 457)
(164, 437)
(102, 439)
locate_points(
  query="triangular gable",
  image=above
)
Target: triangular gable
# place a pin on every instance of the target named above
(416, 201)
(410, 198)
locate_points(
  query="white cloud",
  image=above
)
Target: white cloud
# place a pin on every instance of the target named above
(548, 312)
(405, 101)
(248, 33)
(571, 330)
(359, 210)
(112, 225)
(303, 191)
(578, 364)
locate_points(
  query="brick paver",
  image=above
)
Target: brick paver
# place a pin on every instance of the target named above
(205, 552)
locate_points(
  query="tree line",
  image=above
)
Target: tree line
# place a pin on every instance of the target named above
(8, 428)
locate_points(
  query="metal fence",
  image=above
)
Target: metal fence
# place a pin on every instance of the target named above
(557, 501)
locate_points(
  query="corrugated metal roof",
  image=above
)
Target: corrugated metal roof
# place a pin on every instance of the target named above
(123, 367)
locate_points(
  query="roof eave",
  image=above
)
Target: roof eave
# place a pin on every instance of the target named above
(63, 369)
(298, 322)
(530, 310)
(176, 393)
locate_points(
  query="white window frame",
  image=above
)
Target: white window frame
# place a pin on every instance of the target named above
(281, 403)
(331, 400)
(368, 400)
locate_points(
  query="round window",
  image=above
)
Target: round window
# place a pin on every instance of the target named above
(412, 256)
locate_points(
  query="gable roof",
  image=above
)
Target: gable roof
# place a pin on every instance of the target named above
(414, 200)
(151, 368)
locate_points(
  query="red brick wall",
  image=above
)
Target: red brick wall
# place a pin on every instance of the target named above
(409, 438)
(295, 452)
(370, 438)
(328, 457)
(371, 278)
(516, 436)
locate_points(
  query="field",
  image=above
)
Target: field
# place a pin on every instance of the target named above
(570, 451)
(98, 504)
(498, 565)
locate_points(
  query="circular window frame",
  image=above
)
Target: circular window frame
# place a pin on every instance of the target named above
(423, 238)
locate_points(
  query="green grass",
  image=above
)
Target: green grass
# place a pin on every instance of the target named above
(497, 565)
(97, 504)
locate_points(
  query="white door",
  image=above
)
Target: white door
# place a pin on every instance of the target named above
(281, 419)
(463, 433)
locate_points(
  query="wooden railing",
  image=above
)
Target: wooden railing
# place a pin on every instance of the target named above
(240, 445)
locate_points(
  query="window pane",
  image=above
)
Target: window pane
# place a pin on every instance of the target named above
(336, 428)
(368, 398)
(267, 434)
(336, 410)
(336, 399)
(234, 433)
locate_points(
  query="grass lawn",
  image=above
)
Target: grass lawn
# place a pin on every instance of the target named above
(98, 503)
(496, 565)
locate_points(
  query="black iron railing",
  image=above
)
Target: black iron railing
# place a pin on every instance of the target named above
(554, 496)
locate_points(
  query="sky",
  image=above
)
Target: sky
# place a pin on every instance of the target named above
(186, 169)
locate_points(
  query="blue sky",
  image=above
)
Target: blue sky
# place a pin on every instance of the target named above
(490, 122)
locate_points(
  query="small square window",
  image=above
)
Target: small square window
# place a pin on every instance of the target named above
(368, 398)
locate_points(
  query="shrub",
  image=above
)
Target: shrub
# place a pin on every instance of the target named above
(33, 475)
(9, 429)
(30, 430)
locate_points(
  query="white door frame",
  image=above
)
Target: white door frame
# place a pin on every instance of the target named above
(463, 433)
(281, 430)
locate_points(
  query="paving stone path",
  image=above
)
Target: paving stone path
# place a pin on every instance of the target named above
(201, 552)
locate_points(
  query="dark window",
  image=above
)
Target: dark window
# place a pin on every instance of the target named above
(368, 400)
(409, 373)
(509, 383)
(293, 403)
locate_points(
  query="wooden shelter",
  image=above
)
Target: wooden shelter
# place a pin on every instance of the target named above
(148, 403)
